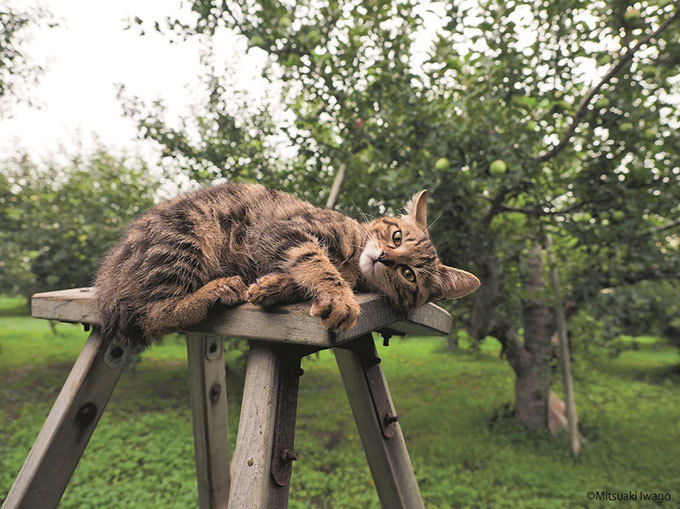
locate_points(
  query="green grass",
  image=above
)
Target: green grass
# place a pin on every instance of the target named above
(13, 306)
(141, 454)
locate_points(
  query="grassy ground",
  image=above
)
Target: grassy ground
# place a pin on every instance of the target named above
(141, 454)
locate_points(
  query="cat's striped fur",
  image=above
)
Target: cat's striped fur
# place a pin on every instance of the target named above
(243, 242)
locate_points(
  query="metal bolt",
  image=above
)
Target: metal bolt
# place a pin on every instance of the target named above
(213, 349)
(288, 455)
(376, 361)
(86, 413)
(389, 418)
(117, 352)
(115, 355)
(386, 338)
(214, 392)
(300, 372)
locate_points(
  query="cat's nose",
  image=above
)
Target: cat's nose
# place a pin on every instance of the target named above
(384, 259)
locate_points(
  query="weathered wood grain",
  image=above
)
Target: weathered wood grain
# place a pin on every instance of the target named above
(69, 425)
(208, 390)
(252, 485)
(72, 305)
(286, 324)
(387, 458)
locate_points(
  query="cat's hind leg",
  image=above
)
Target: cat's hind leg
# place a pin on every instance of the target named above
(177, 313)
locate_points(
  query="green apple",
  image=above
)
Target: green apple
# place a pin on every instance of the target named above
(626, 127)
(618, 215)
(313, 36)
(498, 167)
(632, 16)
(441, 164)
(602, 103)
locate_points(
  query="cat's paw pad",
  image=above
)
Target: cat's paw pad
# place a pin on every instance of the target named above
(231, 291)
(337, 312)
(269, 290)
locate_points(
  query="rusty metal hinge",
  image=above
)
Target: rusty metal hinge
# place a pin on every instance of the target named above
(283, 453)
(364, 348)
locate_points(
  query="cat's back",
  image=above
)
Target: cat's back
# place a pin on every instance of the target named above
(194, 232)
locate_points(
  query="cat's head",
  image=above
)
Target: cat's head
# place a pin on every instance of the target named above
(400, 262)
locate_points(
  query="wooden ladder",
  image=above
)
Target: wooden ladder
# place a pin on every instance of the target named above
(260, 471)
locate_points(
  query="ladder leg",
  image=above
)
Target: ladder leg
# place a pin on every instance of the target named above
(387, 458)
(69, 425)
(255, 483)
(208, 390)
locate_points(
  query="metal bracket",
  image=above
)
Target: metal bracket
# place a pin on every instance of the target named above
(364, 348)
(290, 372)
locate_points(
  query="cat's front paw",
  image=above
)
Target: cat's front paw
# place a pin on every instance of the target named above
(230, 290)
(271, 290)
(337, 311)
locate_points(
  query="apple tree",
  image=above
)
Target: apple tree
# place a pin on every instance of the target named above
(521, 118)
(59, 220)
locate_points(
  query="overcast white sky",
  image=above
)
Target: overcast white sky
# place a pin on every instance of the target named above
(87, 55)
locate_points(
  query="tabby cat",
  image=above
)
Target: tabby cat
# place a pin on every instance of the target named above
(233, 243)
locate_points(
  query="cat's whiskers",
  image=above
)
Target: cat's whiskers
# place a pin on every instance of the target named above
(363, 214)
(436, 219)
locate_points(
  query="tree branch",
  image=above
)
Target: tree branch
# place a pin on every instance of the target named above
(524, 210)
(583, 105)
(511, 346)
(495, 206)
(335, 189)
(665, 227)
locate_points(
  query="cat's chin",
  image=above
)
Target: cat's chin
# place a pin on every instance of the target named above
(367, 264)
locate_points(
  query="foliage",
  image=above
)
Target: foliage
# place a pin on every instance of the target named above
(59, 220)
(17, 69)
(647, 307)
(141, 453)
(501, 81)
(521, 117)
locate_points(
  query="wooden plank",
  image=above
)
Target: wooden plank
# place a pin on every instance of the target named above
(69, 425)
(73, 305)
(286, 324)
(387, 458)
(252, 485)
(208, 390)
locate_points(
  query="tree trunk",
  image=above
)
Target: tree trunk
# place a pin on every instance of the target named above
(452, 341)
(531, 360)
(486, 299)
(533, 373)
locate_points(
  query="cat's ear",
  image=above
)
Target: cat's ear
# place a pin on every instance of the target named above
(454, 283)
(416, 209)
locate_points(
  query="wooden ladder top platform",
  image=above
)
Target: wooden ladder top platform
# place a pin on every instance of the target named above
(284, 324)
(258, 474)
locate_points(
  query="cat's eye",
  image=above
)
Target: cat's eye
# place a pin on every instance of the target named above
(396, 238)
(408, 274)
